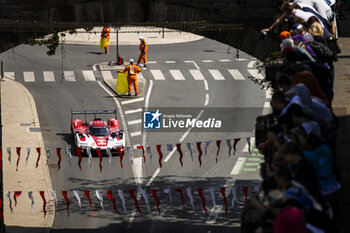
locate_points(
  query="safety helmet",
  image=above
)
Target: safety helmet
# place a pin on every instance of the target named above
(141, 38)
(131, 61)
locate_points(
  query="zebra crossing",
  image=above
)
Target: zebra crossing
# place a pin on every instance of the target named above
(155, 74)
(172, 74)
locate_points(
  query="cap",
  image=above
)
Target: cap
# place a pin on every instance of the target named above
(131, 60)
(285, 35)
(141, 38)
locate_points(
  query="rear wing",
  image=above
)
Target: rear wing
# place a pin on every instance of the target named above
(93, 112)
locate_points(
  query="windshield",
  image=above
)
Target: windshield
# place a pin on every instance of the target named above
(98, 131)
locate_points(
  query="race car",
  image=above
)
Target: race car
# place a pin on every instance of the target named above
(97, 133)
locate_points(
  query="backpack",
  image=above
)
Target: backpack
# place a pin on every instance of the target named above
(323, 53)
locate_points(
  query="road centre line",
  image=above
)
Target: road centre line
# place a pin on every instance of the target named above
(207, 61)
(132, 101)
(241, 59)
(194, 63)
(206, 99)
(133, 111)
(152, 62)
(206, 87)
(170, 62)
(150, 87)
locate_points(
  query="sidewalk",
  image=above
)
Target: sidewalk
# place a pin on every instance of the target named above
(130, 36)
(19, 118)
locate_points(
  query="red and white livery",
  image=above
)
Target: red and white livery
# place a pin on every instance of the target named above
(97, 133)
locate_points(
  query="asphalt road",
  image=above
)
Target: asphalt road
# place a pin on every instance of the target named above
(56, 99)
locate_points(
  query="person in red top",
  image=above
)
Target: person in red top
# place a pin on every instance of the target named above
(132, 78)
(143, 52)
(106, 33)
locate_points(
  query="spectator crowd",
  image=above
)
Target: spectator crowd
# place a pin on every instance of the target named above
(301, 182)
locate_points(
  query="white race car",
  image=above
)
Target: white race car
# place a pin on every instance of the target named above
(97, 133)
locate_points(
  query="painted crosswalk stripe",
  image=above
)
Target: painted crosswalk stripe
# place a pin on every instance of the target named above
(89, 75)
(207, 61)
(157, 74)
(106, 74)
(133, 111)
(29, 76)
(197, 75)
(255, 73)
(134, 122)
(177, 74)
(225, 60)
(69, 76)
(10, 75)
(133, 101)
(238, 166)
(216, 75)
(236, 74)
(134, 134)
(48, 76)
(151, 62)
(170, 62)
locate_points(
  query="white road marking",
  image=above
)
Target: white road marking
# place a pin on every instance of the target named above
(133, 101)
(177, 74)
(169, 155)
(94, 67)
(170, 62)
(135, 146)
(238, 165)
(236, 74)
(153, 177)
(241, 59)
(157, 74)
(197, 75)
(133, 111)
(10, 75)
(48, 76)
(251, 64)
(266, 108)
(245, 148)
(225, 60)
(134, 122)
(89, 75)
(268, 94)
(207, 61)
(138, 170)
(106, 74)
(255, 73)
(69, 76)
(28, 76)
(194, 63)
(151, 62)
(206, 87)
(206, 99)
(144, 135)
(216, 75)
